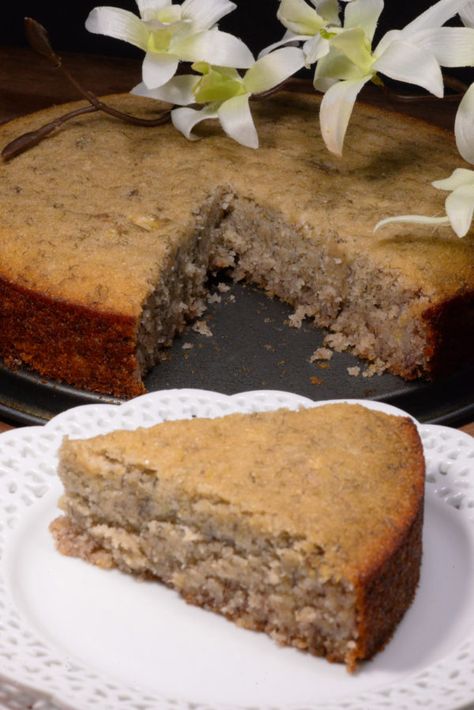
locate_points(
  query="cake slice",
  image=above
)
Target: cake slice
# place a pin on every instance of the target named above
(303, 524)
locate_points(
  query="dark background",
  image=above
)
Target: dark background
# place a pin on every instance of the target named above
(254, 21)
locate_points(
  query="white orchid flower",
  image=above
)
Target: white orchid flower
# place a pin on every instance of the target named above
(459, 204)
(225, 93)
(464, 123)
(467, 14)
(307, 24)
(414, 55)
(464, 126)
(169, 33)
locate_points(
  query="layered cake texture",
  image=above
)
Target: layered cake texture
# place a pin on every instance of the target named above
(109, 231)
(303, 524)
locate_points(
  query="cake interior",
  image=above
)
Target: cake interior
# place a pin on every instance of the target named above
(262, 585)
(369, 311)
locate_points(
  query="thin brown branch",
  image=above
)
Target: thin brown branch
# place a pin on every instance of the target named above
(458, 86)
(39, 41)
(29, 140)
(279, 87)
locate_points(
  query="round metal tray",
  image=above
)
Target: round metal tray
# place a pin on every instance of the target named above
(252, 347)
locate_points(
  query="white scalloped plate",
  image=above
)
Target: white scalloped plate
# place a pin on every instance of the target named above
(74, 636)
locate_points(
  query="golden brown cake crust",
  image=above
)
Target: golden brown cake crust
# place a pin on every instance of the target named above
(336, 491)
(81, 229)
(385, 595)
(98, 350)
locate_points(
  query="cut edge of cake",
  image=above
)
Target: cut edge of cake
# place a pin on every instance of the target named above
(369, 312)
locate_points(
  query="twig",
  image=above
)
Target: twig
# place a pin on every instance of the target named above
(450, 81)
(39, 41)
(28, 140)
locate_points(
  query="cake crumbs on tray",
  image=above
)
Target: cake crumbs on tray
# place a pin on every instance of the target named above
(315, 380)
(187, 346)
(214, 298)
(375, 368)
(201, 327)
(297, 318)
(222, 287)
(321, 354)
(338, 342)
(354, 371)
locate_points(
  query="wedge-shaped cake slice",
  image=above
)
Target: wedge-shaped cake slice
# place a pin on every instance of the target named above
(304, 524)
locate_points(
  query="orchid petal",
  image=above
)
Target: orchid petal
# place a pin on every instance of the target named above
(236, 120)
(170, 16)
(459, 177)
(288, 38)
(434, 16)
(216, 47)
(335, 66)
(217, 83)
(149, 8)
(467, 14)
(452, 46)
(272, 69)
(184, 119)
(364, 14)
(299, 17)
(406, 62)
(464, 126)
(315, 49)
(411, 219)
(206, 13)
(323, 83)
(460, 209)
(117, 23)
(329, 10)
(158, 69)
(178, 91)
(387, 40)
(335, 112)
(352, 44)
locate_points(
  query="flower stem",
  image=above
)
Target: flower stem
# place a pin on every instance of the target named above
(29, 140)
(39, 41)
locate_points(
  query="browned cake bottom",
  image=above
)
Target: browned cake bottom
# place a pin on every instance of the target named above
(315, 540)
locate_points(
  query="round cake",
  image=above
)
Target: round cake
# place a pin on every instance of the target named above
(109, 231)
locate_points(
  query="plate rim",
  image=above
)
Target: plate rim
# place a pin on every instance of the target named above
(63, 421)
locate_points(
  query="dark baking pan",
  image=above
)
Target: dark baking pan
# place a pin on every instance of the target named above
(251, 347)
